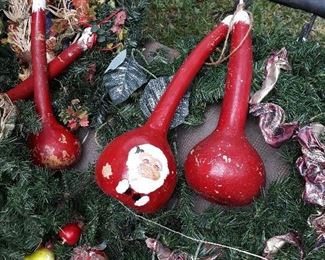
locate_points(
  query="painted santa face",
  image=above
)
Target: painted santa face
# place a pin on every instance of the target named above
(147, 171)
(147, 168)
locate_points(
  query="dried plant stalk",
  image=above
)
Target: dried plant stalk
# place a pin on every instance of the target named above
(63, 12)
(19, 36)
(18, 10)
(8, 115)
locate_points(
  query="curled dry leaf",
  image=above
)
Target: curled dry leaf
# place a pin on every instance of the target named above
(163, 252)
(277, 61)
(85, 14)
(311, 164)
(274, 244)
(86, 252)
(8, 115)
(206, 252)
(317, 221)
(271, 123)
(117, 61)
(271, 116)
(91, 71)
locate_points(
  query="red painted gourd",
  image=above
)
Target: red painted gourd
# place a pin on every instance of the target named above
(86, 41)
(224, 167)
(25, 89)
(138, 167)
(54, 146)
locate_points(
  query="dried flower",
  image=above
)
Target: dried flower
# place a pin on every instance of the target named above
(19, 37)
(18, 11)
(64, 15)
(119, 22)
(75, 116)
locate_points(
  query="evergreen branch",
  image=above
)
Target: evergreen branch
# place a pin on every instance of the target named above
(192, 238)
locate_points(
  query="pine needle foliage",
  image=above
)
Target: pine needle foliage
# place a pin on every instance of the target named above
(35, 202)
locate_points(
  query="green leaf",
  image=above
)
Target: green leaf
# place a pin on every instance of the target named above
(101, 31)
(101, 39)
(95, 28)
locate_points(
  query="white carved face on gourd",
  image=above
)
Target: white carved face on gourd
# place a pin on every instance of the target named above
(147, 171)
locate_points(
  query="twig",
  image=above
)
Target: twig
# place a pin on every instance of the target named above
(143, 68)
(96, 135)
(153, 257)
(85, 137)
(323, 113)
(222, 57)
(197, 251)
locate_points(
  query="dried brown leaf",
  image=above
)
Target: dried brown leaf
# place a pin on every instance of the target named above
(272, 123)
(271, 116)
(8, 115)
(277, 61)
(311, 164)
(317, 221)
(207, 252)
(163, 252)
(274, 244)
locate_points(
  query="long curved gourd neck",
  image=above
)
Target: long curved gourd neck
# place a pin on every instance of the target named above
(234, 109)
(39, 64)
(161, 117)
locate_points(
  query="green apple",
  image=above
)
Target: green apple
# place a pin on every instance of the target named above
(41, 254)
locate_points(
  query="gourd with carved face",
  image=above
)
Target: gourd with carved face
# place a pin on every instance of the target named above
(147, 171)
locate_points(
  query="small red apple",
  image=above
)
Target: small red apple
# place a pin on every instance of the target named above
(70, 233)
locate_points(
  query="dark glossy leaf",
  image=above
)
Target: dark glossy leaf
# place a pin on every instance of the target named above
(94, 28)
(101, 32)
(151, 96)
(124, 80)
